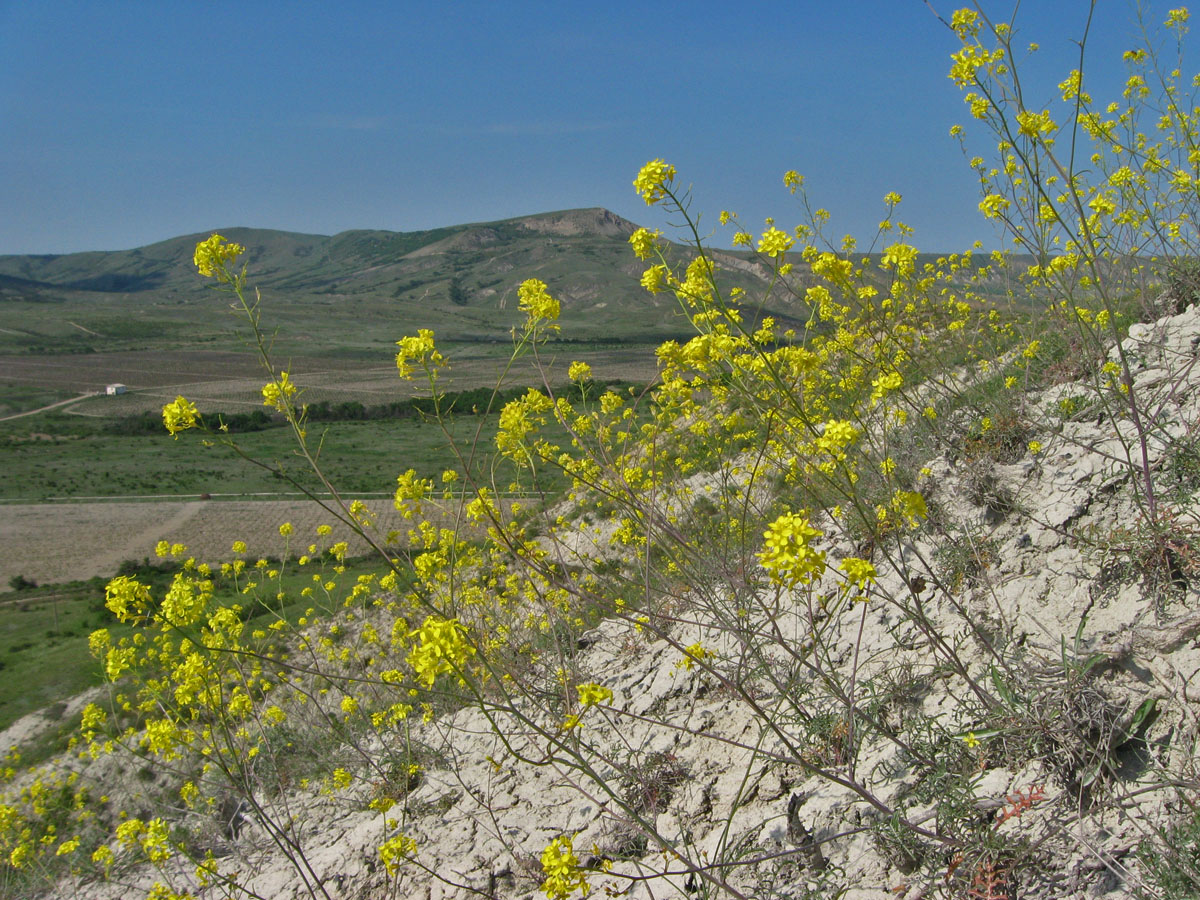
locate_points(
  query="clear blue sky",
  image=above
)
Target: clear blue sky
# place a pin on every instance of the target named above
(126, 123)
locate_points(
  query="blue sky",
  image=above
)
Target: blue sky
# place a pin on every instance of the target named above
(126, 123)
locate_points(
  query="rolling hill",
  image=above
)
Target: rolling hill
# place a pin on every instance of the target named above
(357, 289)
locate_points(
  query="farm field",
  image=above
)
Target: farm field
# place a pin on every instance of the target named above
(79, 498)
(59, 542)
(75, 459)
(231, 381)
(155, 485)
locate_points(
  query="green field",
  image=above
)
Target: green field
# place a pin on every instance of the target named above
(60, 456)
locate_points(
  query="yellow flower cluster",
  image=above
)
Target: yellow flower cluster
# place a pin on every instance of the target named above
(644, 242)
(212, 257)
(563, 873)
(395, 850)
(654, 180)
(859, 574)
(441, 648)
(518, 419)
(535, 301)
(421, 350)
(278, 393)
(775, 242)
(127, 598)
(787, 554)
(186, 600)
(591, 694)
(693, 654)
(902, 256)
(656, 278)
(179, 415)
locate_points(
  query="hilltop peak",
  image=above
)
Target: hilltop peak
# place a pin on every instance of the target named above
(596, 220)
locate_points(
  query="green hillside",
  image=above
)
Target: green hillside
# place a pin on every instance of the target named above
(358, 288)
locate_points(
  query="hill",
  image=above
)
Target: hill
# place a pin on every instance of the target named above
(997, 707)
(359, 288)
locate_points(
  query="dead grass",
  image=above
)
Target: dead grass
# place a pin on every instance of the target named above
(56, 542)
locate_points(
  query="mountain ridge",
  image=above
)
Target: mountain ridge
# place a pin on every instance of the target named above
(566, 222)
(460, 280)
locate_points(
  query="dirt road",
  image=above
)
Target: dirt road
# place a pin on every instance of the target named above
(34, 412)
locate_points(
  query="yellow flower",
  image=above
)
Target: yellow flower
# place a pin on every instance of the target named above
(970, 740)
(93, 718)
(1033, 124)
(441, 647)
(212, 255)
(965, 23)
(882, 385)
(1070, 87)
(902, 256)
(394, 850)
(910, 506)
(653, 180)
(418, 349)
(775, 242)
(562, 870)
(643, 241)
(859, 573)
(535, 302)
(127, 598)
(185, 601)
(103, 856)
(518, 419)
(993, 205)
(276, 393)
(179, 416)
(786, 554)
(692, 655)
(579, 372)
(591, 694)
(654, 279)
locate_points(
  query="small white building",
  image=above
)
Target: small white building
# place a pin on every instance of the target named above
(113, 389)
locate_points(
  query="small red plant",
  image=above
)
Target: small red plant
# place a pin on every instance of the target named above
(1020, 802)
(989, 883)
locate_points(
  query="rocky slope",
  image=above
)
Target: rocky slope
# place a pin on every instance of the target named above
(1054, 588)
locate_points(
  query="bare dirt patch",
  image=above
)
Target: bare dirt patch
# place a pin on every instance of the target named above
(55, 542)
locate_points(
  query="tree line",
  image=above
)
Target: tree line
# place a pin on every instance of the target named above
(473, 401)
